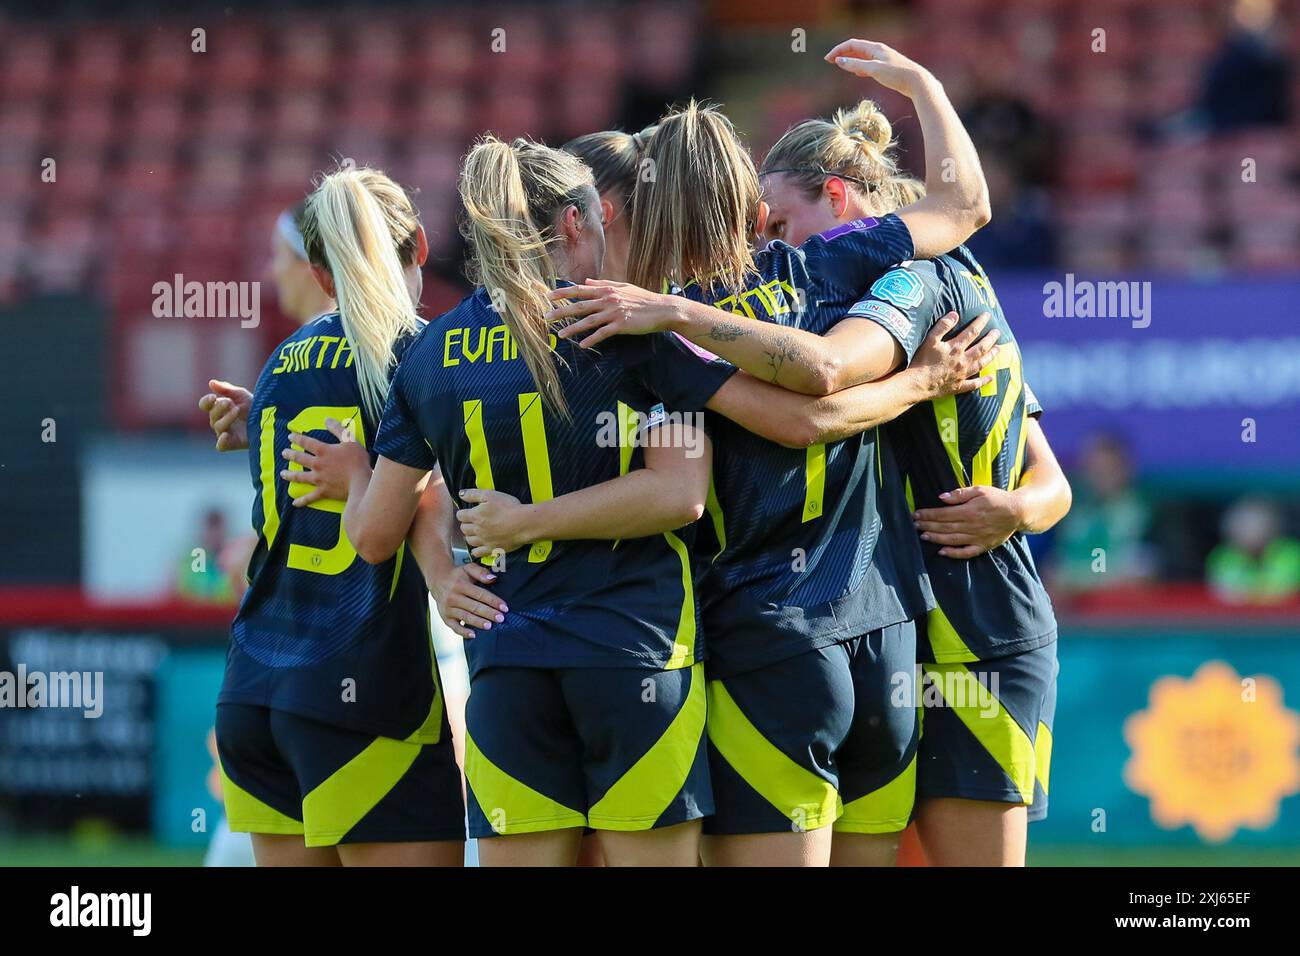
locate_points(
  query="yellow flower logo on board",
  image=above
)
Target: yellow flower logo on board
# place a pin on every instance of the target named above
(1214, 751)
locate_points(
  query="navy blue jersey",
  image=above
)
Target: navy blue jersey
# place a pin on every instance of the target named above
(812, 542)
(464, 397)
(995, 604)
(321, 633)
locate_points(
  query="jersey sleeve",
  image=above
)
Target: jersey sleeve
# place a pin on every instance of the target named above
(399, 437)
(681, 375)
(854, 254)
(905, 302)
(1033, 407)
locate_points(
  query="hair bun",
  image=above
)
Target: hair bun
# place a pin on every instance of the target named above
(866, 124)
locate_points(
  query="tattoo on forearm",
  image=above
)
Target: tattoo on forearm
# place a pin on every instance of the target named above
(782, 350)
(726, 332)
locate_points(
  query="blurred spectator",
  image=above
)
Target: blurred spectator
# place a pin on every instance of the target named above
(1245, 85)
(1022, 234)
(1255, 562)
(1103, 540)
(201, 577)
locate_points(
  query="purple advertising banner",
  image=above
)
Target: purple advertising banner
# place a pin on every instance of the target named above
(1197, 376)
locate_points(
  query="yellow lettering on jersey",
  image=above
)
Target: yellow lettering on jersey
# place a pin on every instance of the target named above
(474, 354)
(537, 461)
(269, 467)
(451, 336)
(336, 559)
(499, 343)
(325, 342)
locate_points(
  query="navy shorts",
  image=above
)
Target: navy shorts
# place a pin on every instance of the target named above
(605, 748)
(286, 774)
(828, 737)
(987, 729)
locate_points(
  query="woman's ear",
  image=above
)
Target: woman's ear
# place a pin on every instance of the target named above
(421, 247)
(323, 279)
(837, 194)
(760, 221)
(606, 212)
(571, 223)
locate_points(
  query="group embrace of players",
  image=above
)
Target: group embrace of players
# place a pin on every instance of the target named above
(744, 458)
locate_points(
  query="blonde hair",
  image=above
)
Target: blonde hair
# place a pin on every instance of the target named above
(513, 193)
(615, 158)
(857, 145)
(363, 228)
(693, 219)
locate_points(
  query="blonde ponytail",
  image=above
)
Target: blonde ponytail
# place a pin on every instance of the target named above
(694, 217)
(856, 145)
(361, 226)
(512, 193)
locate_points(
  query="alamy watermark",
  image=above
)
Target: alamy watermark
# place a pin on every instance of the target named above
(208, 300)
(658, 429)
(70, 690)
(1085, 299)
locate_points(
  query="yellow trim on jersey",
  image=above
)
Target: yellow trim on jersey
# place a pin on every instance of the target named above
(982, 463)
(683, 654)
(1018, 468)
(796, 792)
(714, 508)
(639, 798)
(814, 482)
(509, 805)
(945, 642)
(1000, 735)
(537, 460)
(945, 417)
(627, 426)
(397, 569)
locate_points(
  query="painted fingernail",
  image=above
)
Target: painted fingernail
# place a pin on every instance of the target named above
(945, 494)
(504, 609)
(925, 537)
(500, 619)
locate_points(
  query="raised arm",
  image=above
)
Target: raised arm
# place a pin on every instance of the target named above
(669, 492)
(957, 196)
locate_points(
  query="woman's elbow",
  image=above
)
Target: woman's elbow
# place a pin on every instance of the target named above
(825, 379)
(692, 511)
(982, 211)
(372, 551)
(1065, 497)
(689, 504)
